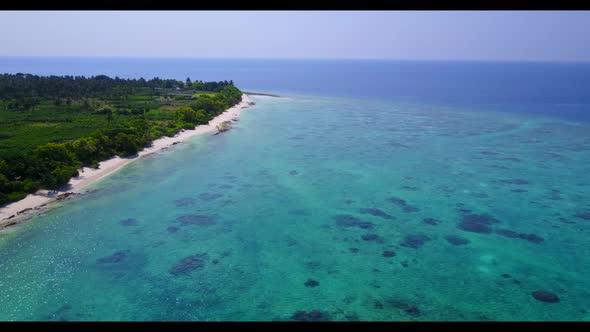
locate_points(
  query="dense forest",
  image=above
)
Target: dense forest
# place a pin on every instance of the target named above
(50, 126)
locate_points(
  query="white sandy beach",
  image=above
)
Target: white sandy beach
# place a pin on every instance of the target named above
(33, 203)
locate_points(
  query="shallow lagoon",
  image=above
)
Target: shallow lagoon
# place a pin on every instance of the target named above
(323, 208)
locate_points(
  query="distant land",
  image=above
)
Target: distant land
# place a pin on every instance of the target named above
(261, 94)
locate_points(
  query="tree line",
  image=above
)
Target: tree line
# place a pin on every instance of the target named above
(51, 165)
(24, 91)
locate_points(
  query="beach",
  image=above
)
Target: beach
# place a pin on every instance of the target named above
(22, 210)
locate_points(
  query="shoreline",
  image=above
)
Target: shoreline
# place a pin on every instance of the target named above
(262, 94)
(33, 204)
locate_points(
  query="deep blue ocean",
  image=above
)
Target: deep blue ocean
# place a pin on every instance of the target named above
(554, 89)
(370, 190)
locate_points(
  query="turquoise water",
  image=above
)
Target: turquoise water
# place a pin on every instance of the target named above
(358, 209)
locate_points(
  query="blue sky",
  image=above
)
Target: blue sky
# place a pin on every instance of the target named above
(414, 35)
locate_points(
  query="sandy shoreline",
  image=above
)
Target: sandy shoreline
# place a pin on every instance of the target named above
(34, 203)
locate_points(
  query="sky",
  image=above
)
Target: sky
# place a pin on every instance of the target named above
(403, 35)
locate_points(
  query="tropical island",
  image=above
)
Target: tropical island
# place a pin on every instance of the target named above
(53, 126)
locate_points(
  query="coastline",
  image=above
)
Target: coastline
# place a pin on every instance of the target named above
(33, 204)
(262, 94)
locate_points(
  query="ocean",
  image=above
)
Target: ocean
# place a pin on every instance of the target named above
(370, 191)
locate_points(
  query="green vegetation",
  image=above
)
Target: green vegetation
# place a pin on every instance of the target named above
(51, 126)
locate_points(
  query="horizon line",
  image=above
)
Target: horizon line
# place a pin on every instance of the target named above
(300, 59)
